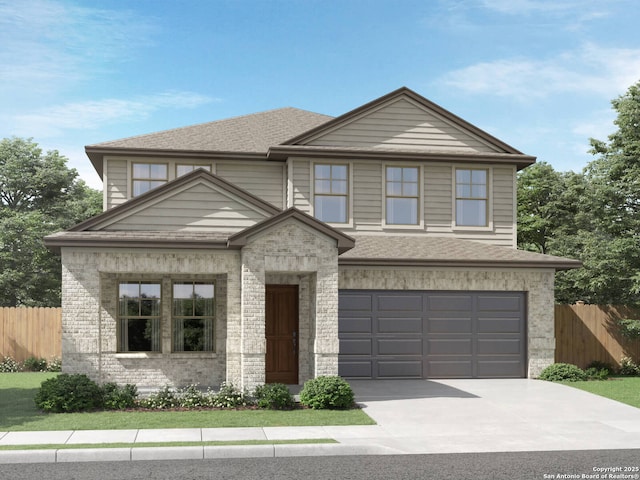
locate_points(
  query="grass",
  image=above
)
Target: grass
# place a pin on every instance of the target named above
(216, 443)
(622, 389)
(19, 413)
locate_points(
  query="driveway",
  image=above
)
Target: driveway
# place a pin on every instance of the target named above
(449, 416)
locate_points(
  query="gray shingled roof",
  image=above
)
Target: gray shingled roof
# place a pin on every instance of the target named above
(253, 133)
(445, 251)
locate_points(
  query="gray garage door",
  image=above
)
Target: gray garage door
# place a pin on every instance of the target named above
(416, 334)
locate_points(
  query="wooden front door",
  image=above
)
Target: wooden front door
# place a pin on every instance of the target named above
(281, 328)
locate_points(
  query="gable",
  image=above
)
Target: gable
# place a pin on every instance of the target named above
(198, 201)
(403, 124)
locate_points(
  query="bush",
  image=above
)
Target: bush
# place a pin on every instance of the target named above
(9, 365)
(597, 364)
(119, 398)
(55, 365)
(34, 364)
(192, 397)
(275, 396)
(327, 393)
(562, 372)
(69, 393)
(628, 367)
(164, 398)
(594, 373)
(230, 397)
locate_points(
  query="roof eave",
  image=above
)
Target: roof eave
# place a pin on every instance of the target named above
(55, 243)
(400, 262)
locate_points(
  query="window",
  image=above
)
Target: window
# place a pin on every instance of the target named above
(471, 197)
(182, 169)
(147, 176)
(330, 193)
(139, 317)
(402, 194)
(193, 315)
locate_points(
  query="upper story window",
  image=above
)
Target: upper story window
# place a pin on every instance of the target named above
(183, 168)
(402, 195)
(472, 198)
(193, 316)
(147, 176)
(331, 190)
(139, 317)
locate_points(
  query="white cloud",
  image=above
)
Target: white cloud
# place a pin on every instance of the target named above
(53, 121)
(590, 70)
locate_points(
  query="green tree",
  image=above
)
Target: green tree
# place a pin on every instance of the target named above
(39, 195)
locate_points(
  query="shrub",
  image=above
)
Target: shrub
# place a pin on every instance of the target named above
(164, 398)
(230, 397)
(55, 365)
(275, 396)
(562, 372)
(34, 364)
(9, 365)
(597, 364)
(594, 373)
(68, 393)
(119, 398)
(628, 367)
(327, 393)
(192, 397)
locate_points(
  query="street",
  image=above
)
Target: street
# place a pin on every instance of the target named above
(600, 464)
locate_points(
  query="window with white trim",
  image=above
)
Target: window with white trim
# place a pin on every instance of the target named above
(402, 194)
(331, 193)
(183, 168)
(193, 315)
(472, 197)
(146, 176)
(139, 307)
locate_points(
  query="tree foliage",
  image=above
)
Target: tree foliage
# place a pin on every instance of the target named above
(593, 216)
(39, 195)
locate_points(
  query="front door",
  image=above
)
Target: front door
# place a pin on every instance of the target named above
(281, 318)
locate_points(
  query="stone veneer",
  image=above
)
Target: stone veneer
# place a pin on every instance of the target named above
(537, 283)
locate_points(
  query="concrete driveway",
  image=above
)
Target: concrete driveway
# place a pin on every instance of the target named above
(449, 416)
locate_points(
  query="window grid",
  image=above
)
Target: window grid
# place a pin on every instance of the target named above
(402, 195)
(146, 176)
(472, 198)
(331, 192)
(193, 316)
(184, 168)
(139, 314)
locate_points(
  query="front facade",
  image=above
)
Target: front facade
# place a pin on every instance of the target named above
(285, 245)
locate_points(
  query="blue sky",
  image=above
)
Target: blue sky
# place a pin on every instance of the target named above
(538, 74)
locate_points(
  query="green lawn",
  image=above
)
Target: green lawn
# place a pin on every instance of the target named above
(18, 413)
(622, 389)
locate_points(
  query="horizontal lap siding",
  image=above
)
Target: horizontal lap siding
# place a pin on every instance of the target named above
(116, 183)
(438, 198)
(264, 180)
(302, 185)
(367, 191)
(198, 208)
(403, 124)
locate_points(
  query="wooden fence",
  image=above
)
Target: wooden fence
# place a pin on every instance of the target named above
(30, 332)
(585, 333)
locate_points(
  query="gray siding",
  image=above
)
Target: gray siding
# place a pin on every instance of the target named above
(116, 182)
(367, 191)
(198, 208)
(264, 180)
(302, 184)
(403, 124)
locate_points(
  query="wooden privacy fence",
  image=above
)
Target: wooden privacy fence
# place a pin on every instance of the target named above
(30, 332)
(585, 333)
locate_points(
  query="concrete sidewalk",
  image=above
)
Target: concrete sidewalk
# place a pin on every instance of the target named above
(413, 417)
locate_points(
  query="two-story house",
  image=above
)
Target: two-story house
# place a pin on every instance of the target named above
(284, 245)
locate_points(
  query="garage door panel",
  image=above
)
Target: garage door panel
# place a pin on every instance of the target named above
(399, 346)
(400, 303)
(400, 369)
(450, 346)
(495, 346)
(449, 369)
(450, 303)
(356, 369)
(499, 325)
(499, 303)
(355, 325)
(500, 369)
(449, 325)
(400, 325)
(355, 302)
(354, 346)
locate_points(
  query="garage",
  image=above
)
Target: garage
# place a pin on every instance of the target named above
(432, 334)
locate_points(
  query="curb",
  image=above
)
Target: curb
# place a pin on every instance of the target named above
(189, 453)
